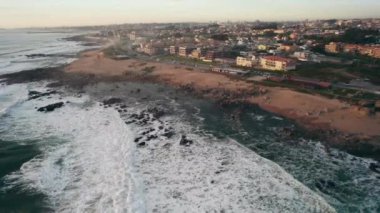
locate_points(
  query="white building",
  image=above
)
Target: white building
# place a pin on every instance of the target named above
(277, 63)
(244, 61)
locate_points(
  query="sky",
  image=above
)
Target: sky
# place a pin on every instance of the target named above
(50, 13)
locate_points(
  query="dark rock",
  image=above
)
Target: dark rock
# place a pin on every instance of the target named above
(137, 139)
(141, 144)
(224, 163)
(184, 141)
(168, 134)
(55, 84)
(131, 121)
(51, 107)
(323, 185)
(31, 93)
(374, 167)
(39, 55)
(112, 101)
(148, 131)
(157, 112)
(151, 137)
(36, 94)
(287, 132)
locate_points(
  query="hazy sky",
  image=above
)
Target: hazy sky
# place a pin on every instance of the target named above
(31, 13)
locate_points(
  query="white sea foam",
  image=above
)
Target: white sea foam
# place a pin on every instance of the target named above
(11, 95)
(218, 175)
(92, 171)
(93, 165)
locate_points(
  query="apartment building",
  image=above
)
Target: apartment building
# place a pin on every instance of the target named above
(184, 51)
(277, 63)
(173, 50)
(244, 62)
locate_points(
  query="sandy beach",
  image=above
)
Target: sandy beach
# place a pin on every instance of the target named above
(311, 111)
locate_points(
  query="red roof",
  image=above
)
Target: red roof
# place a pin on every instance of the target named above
(278, 58)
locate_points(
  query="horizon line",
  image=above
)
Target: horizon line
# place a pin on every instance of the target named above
(179, 22)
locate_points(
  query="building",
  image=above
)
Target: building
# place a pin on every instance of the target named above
(210, 56)
(132, 36)
(287, 48)
(333, 47)
(147, 49)
(184, 51)
(197, 53)
(173, 50)
(277, 63)
(294, 36)
(262, 47)
(350, 48)
(244, 62)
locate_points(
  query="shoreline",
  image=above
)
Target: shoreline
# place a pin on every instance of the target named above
(228, 159)
(334, 121)
(319, 111)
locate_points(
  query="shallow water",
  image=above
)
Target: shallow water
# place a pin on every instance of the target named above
(345, 181)
(16, 45)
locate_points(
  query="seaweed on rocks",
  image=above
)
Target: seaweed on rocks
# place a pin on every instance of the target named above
(112, 101)
(51, 107)
(36, 94)
(185, 142)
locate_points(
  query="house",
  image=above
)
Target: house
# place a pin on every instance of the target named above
(277, 63)
(333, 47)
(210, 56)
(306, 56)
(173, 50)
(132, 36)
(350, 48)
(197, 53)
(245, 61)
(262, 47)
(183, 51)
(287, 48)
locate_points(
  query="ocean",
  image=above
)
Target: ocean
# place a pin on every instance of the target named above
(92, 155)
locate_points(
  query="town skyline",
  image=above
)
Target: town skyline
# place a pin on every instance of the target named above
(24, 14)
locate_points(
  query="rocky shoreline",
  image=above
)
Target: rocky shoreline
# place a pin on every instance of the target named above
(357, 145)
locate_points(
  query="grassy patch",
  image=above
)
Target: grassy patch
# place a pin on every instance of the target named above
(343, 94)
(325, 72)
(114, 51)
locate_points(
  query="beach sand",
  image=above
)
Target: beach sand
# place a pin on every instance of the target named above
(309, 110)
